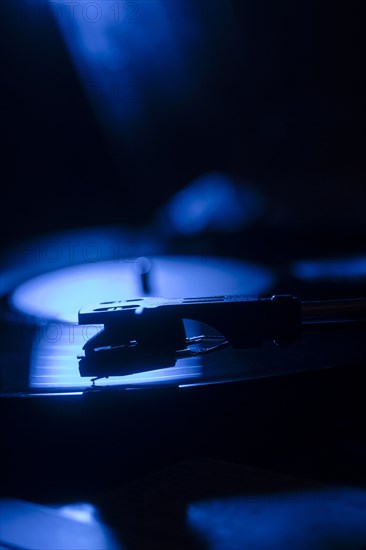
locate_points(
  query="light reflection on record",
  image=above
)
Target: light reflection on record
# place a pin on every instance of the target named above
(56, 297)
(54, 363)
(60, 294)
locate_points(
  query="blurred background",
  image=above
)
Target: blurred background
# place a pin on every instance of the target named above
(111, 109)
(181, 148)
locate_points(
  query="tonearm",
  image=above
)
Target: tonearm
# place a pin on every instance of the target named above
(148, 333)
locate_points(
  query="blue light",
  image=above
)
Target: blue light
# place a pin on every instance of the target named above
(75, 527)
(59, 250)
(317, 519)
(213, 202)
(59, 295)
(336, 269)
(131, 53)
(54, 363)
(56, 297)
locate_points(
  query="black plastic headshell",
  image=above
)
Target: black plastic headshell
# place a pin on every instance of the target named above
(148, 333)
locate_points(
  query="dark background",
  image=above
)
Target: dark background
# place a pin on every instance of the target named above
(281, 103)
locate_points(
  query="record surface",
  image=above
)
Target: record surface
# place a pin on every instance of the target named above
(50, 303)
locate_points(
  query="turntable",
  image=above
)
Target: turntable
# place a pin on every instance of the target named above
(46, 305)
(215, 340)
(122, 355)
(182, 287)
(46, 283)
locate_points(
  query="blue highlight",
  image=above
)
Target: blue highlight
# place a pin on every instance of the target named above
(336, 269)
(317, 519)
(320, 519)
(55, 298)
(132, 54)
(58, 295)
(213, 202)
(74, 527)
(54, 364)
